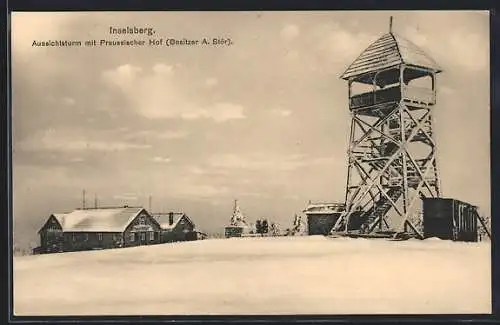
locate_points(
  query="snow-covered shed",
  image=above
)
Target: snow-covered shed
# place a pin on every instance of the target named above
(321, 217)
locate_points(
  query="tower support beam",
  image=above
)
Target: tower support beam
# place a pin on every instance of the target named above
(386, 175)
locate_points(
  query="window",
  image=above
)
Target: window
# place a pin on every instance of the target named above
(86, 237)
(73, 237)
(142, 220)
(151, 235)
(143, 236)
(99, 237)
(132, 236)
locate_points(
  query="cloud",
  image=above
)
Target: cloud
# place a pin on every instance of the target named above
(172, 134)
(68, 101)
(348, 44)
(281, 112)
(289, 32)
(27, 178)
(184, 182)
(163, 160)
(418, 38)
(445, 90)
(292, 56)
(163, 69)
(252, 194)
(72, 141)
(211, 82)
(185, 189)
(470, 49)
(161, 96)
(164, 135)
(340, 44)
(219, 112)
(196, 170)
(263, 162)
(123, 76)
(125, 197)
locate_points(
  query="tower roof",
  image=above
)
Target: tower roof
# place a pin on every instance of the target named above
(389, 50)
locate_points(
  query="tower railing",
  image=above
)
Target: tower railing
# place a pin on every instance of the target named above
(417, 94)
(375, 97)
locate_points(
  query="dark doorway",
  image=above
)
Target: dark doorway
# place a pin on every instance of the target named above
(142, 238)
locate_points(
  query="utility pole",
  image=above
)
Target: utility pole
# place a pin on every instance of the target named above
(83, 199)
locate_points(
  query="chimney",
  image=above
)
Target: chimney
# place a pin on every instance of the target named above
(170, 218)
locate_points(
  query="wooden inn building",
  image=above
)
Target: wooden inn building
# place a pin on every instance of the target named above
(175, 226)
(114, 227)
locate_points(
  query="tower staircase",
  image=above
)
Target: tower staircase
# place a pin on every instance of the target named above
(381, 207)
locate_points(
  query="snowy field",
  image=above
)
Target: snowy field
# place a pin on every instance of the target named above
(287, 275)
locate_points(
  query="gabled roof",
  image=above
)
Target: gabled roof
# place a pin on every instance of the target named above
(389, 50)
(56, 216)
(163, 219)
(98, 220)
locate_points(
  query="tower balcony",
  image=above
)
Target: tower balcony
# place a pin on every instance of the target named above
(413, 95)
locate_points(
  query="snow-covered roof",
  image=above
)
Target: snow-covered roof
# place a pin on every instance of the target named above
(238, 219)
(59, 216)
(163, 219)
(318, 208)
(389, 50)
(97, 220)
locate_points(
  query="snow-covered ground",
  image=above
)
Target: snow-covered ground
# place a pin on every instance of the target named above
(287, 275)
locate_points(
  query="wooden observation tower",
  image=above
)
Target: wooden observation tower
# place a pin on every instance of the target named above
(392, 153)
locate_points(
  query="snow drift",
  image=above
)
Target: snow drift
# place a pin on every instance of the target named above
(287, 275)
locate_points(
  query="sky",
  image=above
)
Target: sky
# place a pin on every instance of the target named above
(264, 121)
